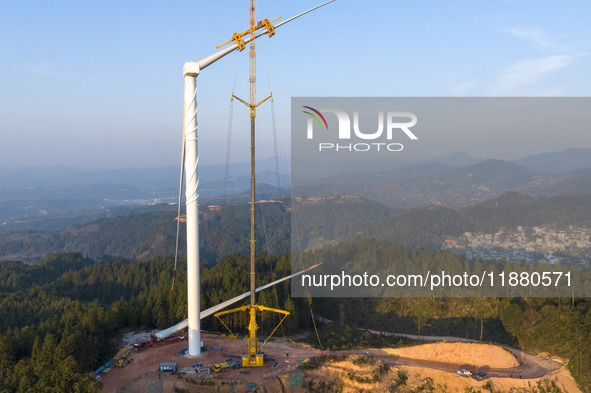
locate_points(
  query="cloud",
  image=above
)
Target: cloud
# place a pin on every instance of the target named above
(525, 73)
(462, 88)
(535, 36)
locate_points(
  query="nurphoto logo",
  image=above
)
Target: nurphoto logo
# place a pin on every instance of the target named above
(380, 141)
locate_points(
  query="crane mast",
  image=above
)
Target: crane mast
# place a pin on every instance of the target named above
(253, 345)
(254, 357)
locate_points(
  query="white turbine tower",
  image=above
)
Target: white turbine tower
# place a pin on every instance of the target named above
(190, 71)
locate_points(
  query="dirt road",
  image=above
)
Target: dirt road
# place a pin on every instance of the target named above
(530, 365)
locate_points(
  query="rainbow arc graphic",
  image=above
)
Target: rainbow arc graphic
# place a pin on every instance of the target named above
(316, 117)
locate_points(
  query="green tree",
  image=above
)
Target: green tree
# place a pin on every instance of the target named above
(511, 318)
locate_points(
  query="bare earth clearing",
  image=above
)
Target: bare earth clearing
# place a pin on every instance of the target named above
(508, 369)
(477, 354)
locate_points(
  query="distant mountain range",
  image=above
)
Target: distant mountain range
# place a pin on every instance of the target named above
(30, 198)
(558, 162)
(36, 196)
(457, 159)
(555, 162)
(439, 182)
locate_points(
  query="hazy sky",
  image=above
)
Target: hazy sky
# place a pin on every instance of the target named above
(99, 83)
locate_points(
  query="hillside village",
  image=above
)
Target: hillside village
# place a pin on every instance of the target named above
(528, 243)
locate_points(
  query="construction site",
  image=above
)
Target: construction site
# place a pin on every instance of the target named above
(290, 366)
(183, 358)
(99, 293)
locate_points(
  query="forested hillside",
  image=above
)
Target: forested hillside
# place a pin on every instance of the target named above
(429, 226)
(59, 320)
(152, 234)
(432, 182)
(319, 221)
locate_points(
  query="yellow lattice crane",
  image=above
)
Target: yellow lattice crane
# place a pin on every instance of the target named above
(254, 357)
(191, 70)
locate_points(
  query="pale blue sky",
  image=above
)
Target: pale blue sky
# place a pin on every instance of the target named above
(99, 83)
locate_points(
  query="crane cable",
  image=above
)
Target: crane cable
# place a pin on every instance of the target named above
(276, 154)
(314, 322)
(293, 210)
(227, 168)
(178, 214)
(295, 229)
(274, 128)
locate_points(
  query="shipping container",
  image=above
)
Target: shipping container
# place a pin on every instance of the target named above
(168, 367)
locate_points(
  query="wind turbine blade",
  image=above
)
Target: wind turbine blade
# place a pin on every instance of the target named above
(218, 55)
(205, 313)
(303, 13)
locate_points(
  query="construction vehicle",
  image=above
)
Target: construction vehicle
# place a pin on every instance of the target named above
(122, 358)
(140, 346)
(229, 364)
